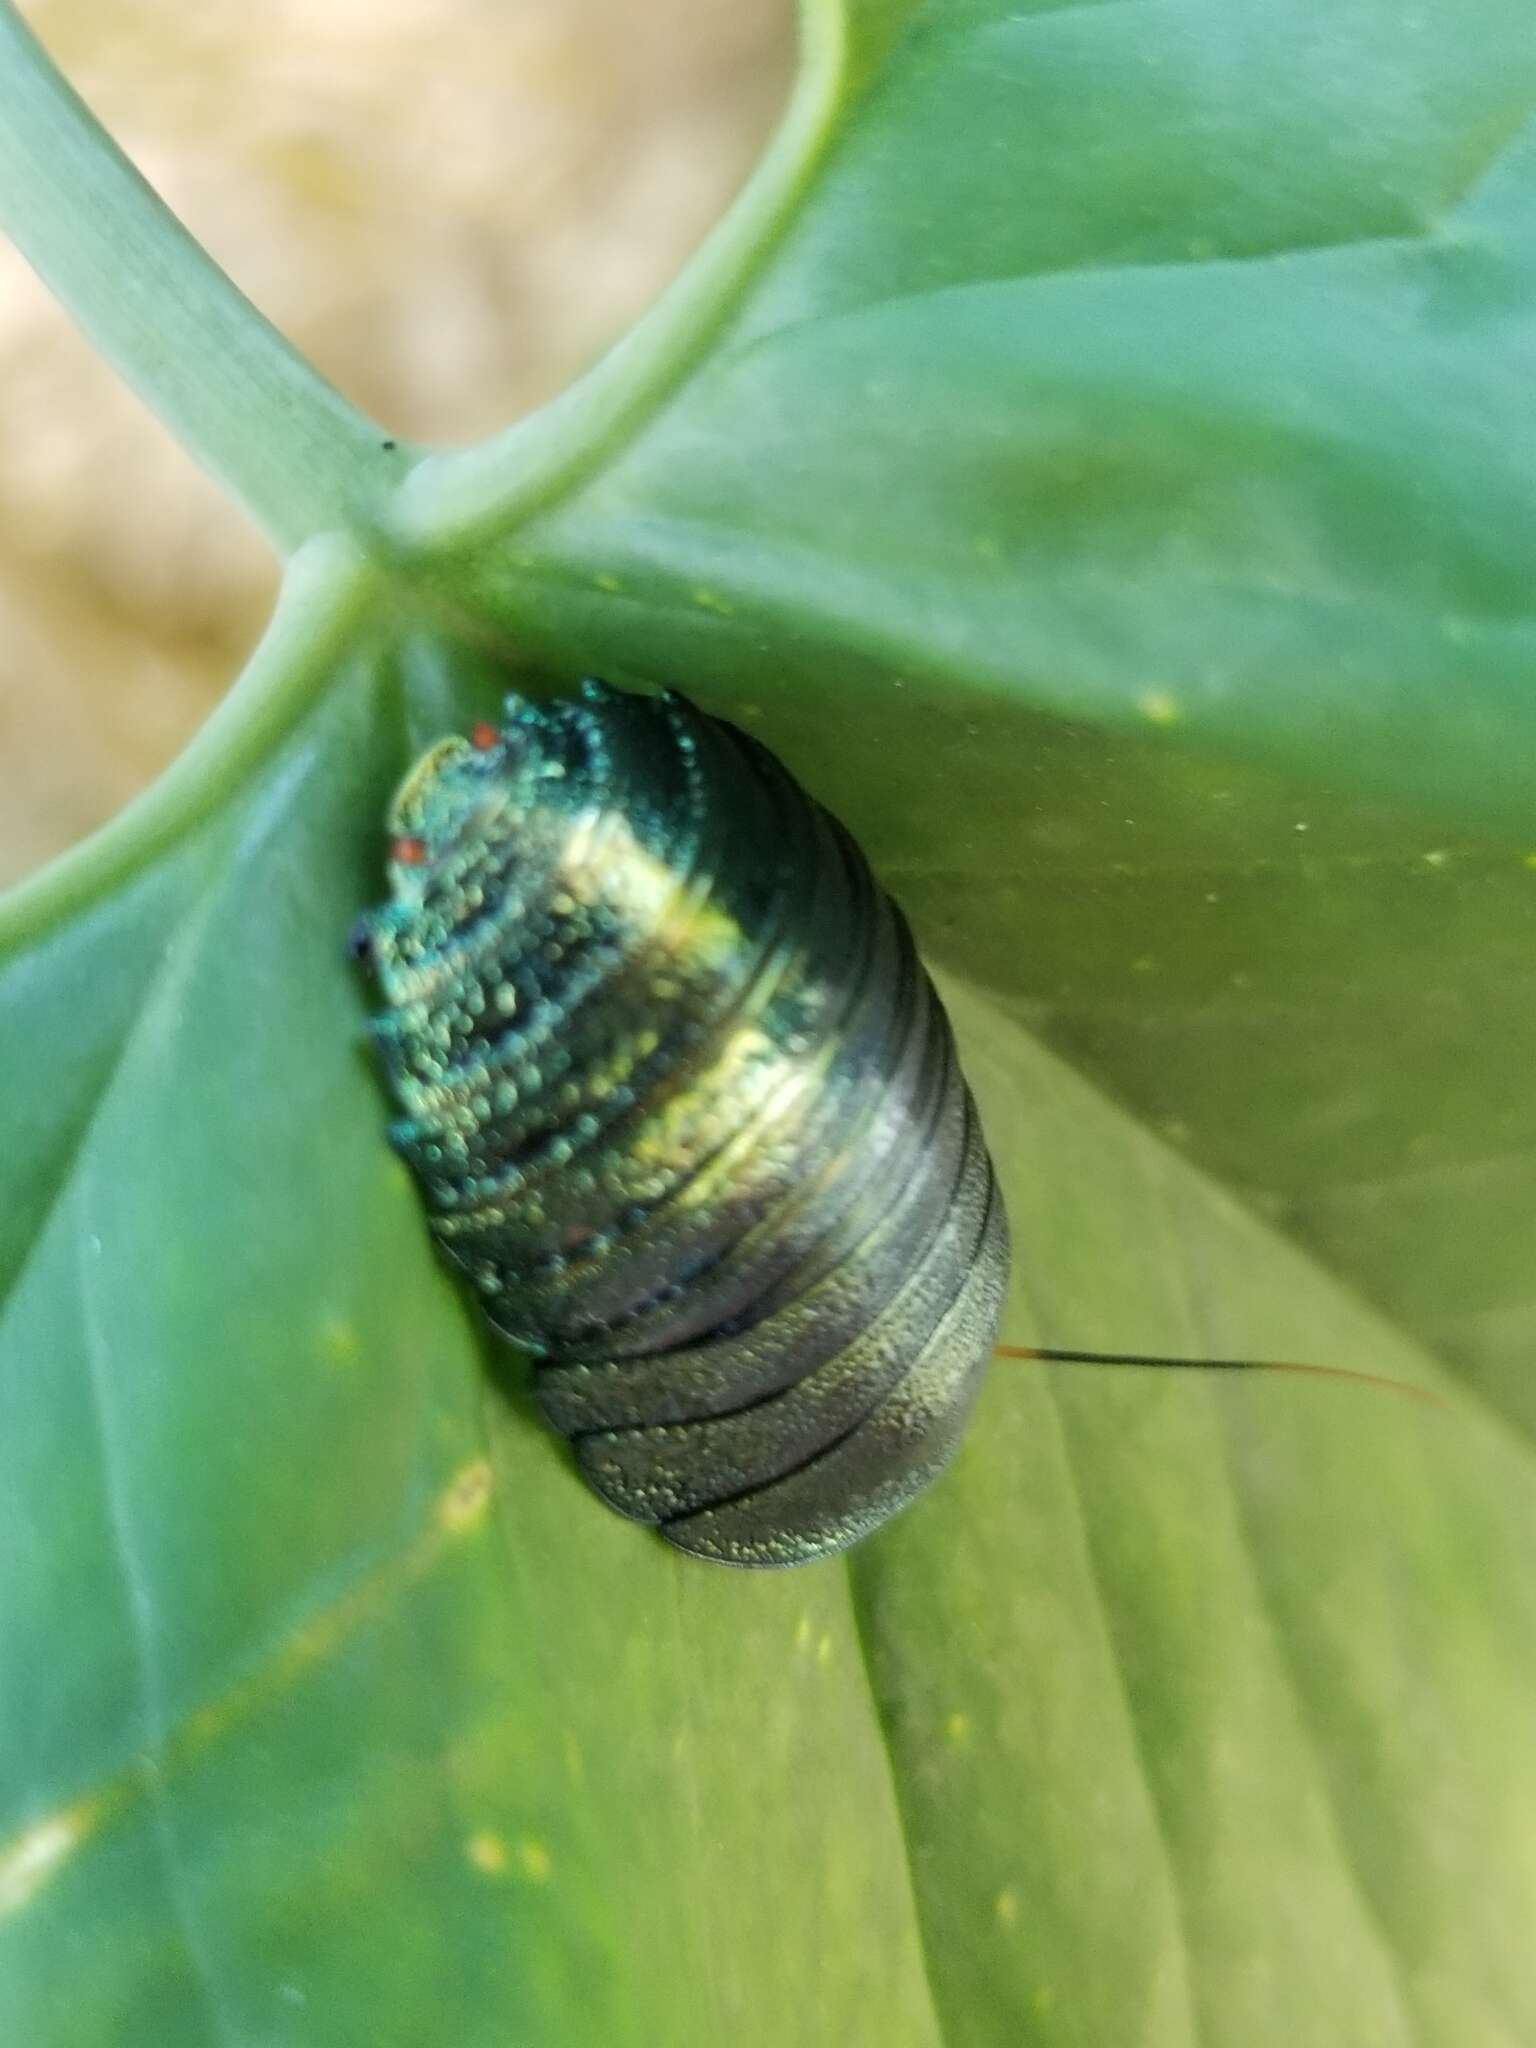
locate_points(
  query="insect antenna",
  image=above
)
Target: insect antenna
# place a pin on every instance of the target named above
(1328, 1372)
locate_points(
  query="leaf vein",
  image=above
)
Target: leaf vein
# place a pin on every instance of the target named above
(1156, 1805)
(880, 1720)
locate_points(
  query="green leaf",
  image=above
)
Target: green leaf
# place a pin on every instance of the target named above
(335, 1706)
(1021, 463)
(1131, 437)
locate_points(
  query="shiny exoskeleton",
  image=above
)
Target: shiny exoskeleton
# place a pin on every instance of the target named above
(687, 1112)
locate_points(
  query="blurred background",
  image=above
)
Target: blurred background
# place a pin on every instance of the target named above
(450, 206)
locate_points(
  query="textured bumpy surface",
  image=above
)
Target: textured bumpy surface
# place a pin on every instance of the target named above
(687, 1112)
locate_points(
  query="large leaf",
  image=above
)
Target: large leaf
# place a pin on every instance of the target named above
(337, 1711)
(1134, 432)
(332, 1709)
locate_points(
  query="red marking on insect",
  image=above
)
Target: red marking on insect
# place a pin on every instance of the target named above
(484, 736)
(408, 853)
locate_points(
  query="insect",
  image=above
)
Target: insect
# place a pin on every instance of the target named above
(687, 1113)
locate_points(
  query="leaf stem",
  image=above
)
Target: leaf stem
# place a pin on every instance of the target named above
(329, 592)
(466, 494)
(245, 405)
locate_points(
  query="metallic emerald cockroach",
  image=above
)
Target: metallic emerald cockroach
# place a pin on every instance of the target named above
(687, 1112)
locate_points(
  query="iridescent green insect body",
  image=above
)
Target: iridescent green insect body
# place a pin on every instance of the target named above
(686, 1110)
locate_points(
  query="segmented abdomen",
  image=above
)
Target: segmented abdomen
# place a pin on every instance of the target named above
(688, 1114)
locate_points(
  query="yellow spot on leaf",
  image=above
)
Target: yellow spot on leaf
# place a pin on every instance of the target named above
(607, 581)
(1159, 708)
(958, 1729)
(803, 1633)
(824, 1650)
(712, 601)
(208, 1722)
(533, 1860)
(339, 1343)
(31, 1858)
(488, 1853)
(1006, 1907)
(466, 1496)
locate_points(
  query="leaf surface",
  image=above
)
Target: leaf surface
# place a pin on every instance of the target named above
(1107, 483)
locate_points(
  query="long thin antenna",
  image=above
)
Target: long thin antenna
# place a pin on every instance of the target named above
(1326, 1372)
